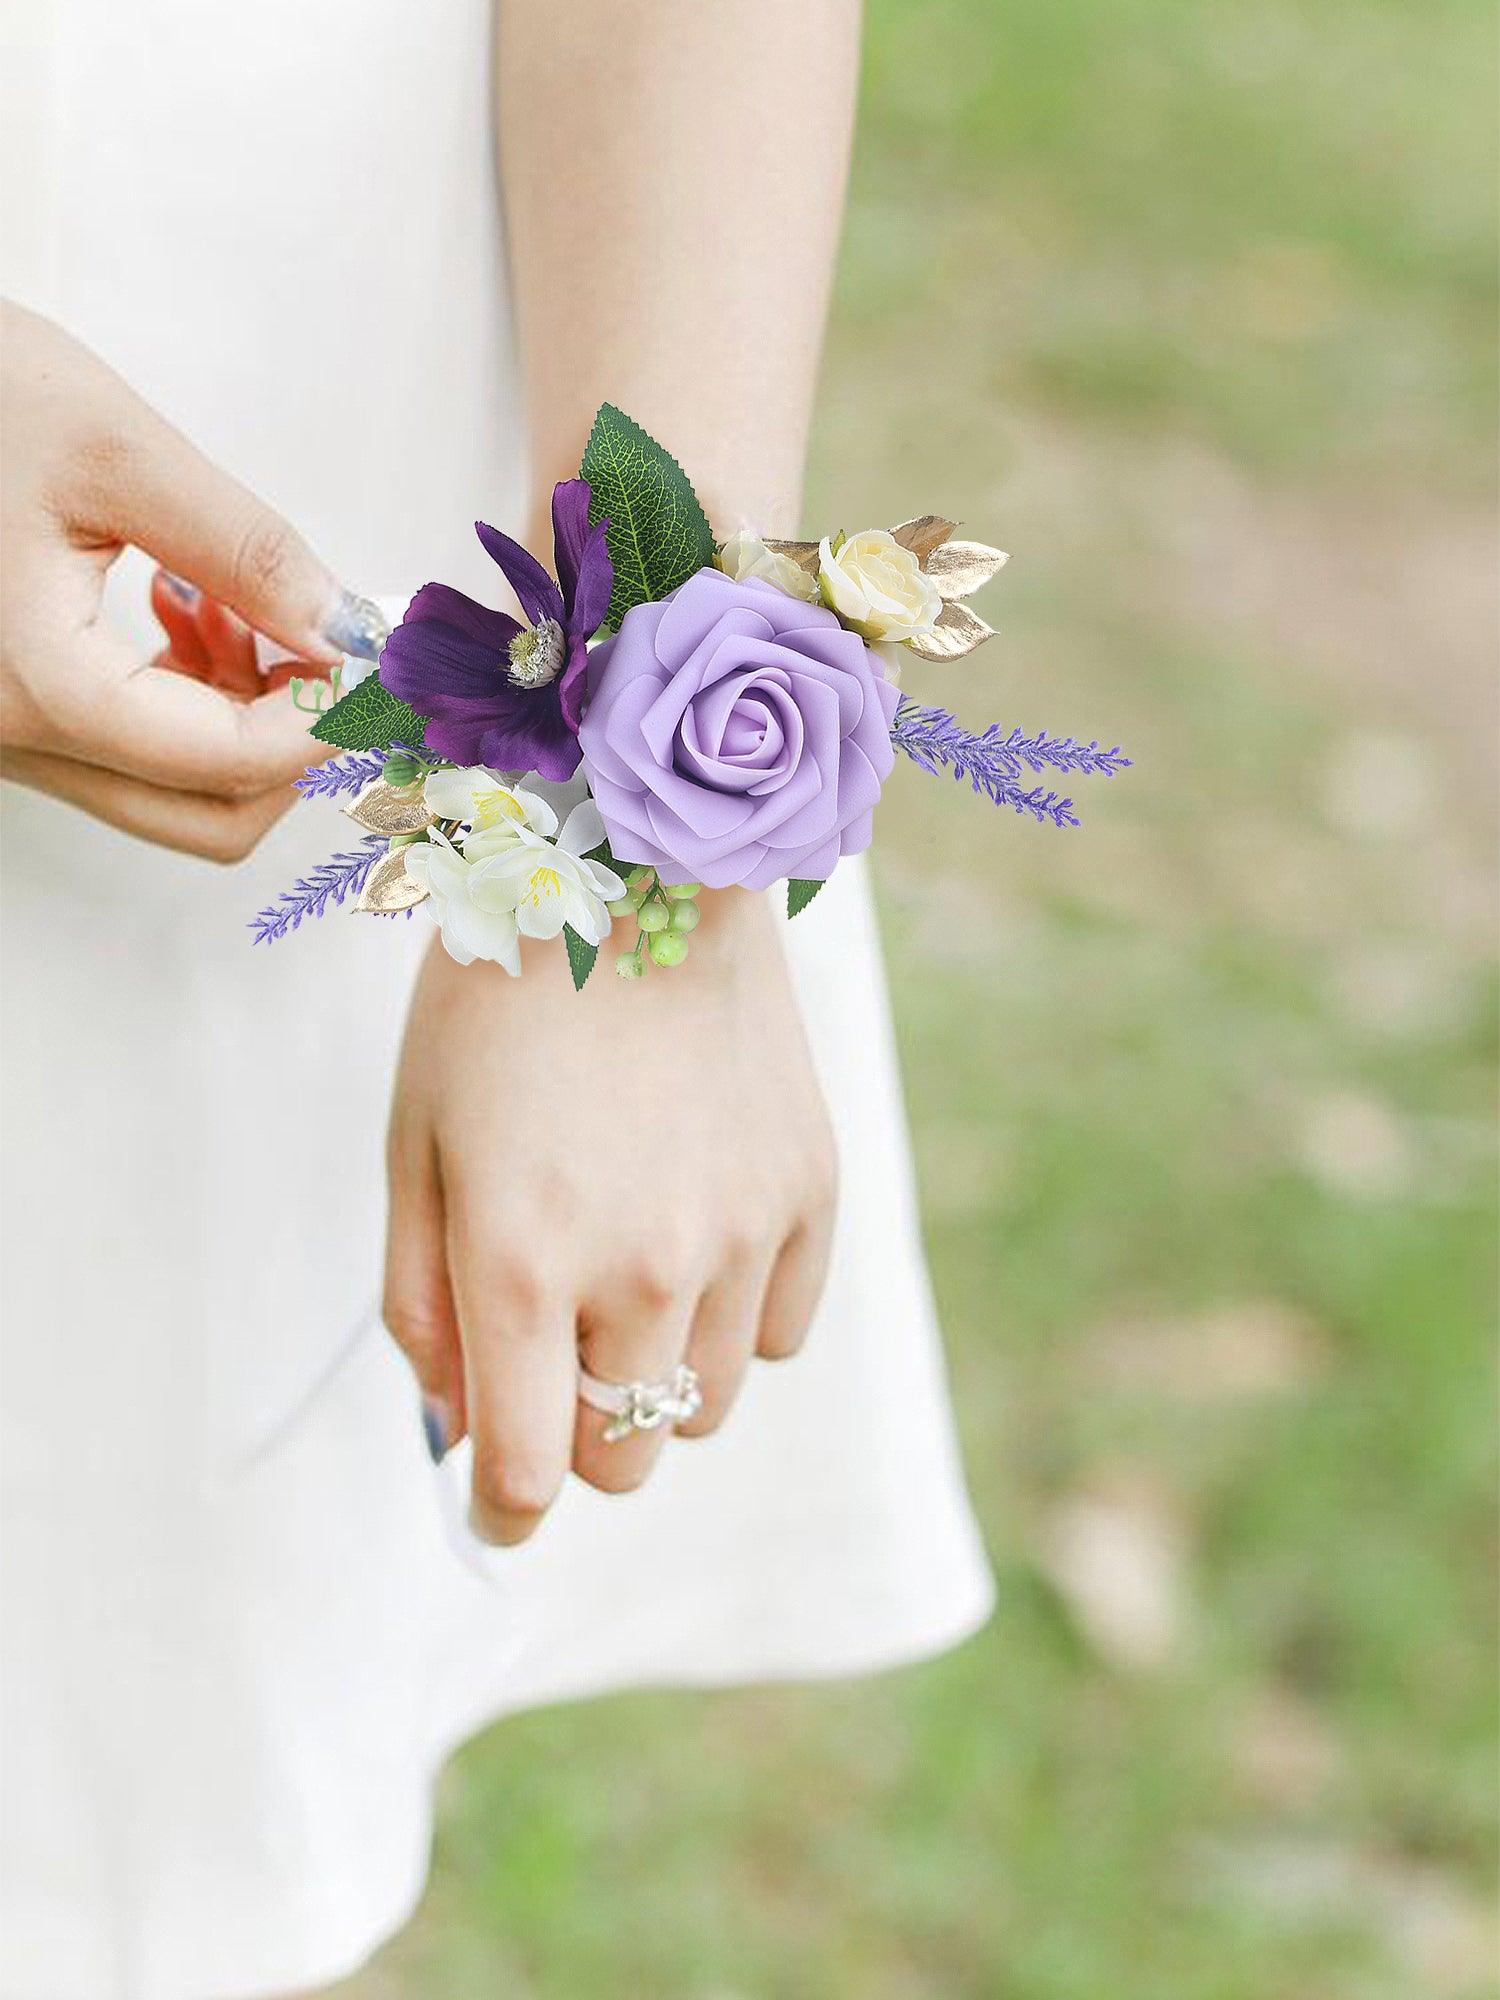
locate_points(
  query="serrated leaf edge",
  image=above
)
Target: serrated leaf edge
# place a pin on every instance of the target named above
(796, 904)
(346, 704)
(582, 957)
(611, 422)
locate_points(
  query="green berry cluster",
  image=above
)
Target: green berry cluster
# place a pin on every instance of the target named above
(664, 915)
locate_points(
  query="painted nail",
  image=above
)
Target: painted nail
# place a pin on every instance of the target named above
(356, 627)
(435, 1427)
(180, 587)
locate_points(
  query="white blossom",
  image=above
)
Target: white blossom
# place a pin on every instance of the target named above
(877, 587)
(547, 883)
(473, 924)
(745, 556)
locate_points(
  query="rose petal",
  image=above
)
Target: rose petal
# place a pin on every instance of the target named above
(725, 651)
(693, 610)
(736, 735)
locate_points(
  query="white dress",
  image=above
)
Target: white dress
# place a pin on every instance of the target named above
(242, 1624)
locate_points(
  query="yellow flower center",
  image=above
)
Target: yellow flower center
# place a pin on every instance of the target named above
(493, 806)
(542, 883)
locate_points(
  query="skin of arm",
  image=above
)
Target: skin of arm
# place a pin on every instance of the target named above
(638, 1173)
(674, 174)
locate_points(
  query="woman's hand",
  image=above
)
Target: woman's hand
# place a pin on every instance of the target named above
(175, 755)
(628, 1177)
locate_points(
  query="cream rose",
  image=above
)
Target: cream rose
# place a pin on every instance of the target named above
(745, 556)
(877, 587)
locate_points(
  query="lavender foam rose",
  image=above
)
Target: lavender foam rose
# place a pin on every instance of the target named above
(735, 736)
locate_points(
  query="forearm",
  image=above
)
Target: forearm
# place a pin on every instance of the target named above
(674, 176)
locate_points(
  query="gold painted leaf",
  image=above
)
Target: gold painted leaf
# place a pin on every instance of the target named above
(388, 888)
(960, 568)
(382, 808)
(924, 534)
(803, 554)
(957, 632)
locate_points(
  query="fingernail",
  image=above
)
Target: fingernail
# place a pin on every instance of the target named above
(180, 587)
(435, 1427)
(356, 627)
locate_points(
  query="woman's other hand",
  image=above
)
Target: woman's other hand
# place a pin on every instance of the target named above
(626, 1177)
(178, 757)
(208, 642)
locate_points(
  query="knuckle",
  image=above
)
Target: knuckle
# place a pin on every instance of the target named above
(265, 558)
(655, 1275)
(105, 464)
(415, 1331)
(506, 1283)
(502, 1251)
(650, 1285)
(647, 1285)
(740, 1246)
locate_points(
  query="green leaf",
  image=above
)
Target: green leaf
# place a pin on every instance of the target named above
(799, 895)
(369, 717)
(658, 534)
(603, 856)
(581, 956)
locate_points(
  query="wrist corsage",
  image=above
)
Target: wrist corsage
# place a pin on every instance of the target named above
(673, 713)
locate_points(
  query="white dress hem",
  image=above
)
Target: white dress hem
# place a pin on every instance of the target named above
(367, 1931)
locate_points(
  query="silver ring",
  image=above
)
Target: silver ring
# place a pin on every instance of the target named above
(642, 1406)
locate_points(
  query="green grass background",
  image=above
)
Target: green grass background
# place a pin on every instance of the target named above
(1188, 303)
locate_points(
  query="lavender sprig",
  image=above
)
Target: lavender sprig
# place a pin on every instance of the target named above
(340, 876)
(1060, 753)
(993, 763)
(351, 772)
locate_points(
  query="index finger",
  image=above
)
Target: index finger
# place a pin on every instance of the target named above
(155, 489)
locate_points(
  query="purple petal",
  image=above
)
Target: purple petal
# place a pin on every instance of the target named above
(427, 662)
(589, 597)
(458, 737)
(625, 809)
(692, 613)
(533, 737)
(536, 593)
(494, 629)
(572, 683)
(516, 729)
(570, 528)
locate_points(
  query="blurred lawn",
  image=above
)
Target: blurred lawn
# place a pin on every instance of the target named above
(1188, 303)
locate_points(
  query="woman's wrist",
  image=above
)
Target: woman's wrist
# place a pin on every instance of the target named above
(735, 937)
(729, 927)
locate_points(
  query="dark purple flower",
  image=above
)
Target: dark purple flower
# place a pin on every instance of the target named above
(494, 691)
